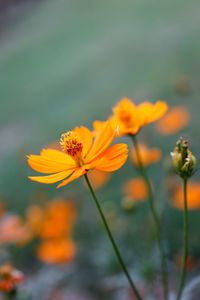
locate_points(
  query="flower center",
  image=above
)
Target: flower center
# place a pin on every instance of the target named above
(125, 116)
(71, 144)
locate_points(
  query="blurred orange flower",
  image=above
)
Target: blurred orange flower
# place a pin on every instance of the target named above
(10, 278)
(135, 189)
(34, 218)
(56, 219)
(129, 118)
(191, 262)
(126, 117)
(193, 196)
(60, 209)
(81, 152)
(148, 155)
(56, 251)
(176, 119)
(14, 230)
(98, 178)
(53, 224)
(59, 220)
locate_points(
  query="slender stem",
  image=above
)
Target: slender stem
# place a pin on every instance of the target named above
(185, 241)
(155, 218)
(116, 250)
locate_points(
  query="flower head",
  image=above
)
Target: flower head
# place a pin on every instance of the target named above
(57, 250)
(128, 118)
(53, 224)
(183, 160)
(80, 153)
(135, 189)
(71, 144)
(10, 278)
(59, 219)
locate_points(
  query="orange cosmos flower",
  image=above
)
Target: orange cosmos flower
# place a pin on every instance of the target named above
(135, 189)
(10, 278)
(176, 119)
(56, 251)
(193, 196)
(125, 117)
(129, 118)
(34, 218)
(59, 221)
(148, 156)
(62, 210)
(80, 153)
(56, 219)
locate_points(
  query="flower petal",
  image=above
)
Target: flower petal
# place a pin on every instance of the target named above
(177, 118)
(51, 178)
(86, 136)
(151, 112)
(78, 173)
(51, 161)
(103, 139)
(113, 158)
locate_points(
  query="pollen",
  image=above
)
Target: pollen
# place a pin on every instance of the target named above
(71, 144)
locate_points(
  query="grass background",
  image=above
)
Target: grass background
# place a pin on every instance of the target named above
(65, 63)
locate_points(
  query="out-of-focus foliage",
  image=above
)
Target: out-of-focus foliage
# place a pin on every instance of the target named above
(64, 64)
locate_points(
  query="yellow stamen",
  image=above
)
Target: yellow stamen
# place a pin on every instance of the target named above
(71, 144)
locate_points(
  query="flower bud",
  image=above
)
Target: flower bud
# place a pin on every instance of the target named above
(183, 160)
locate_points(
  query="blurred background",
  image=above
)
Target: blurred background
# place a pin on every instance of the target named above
(66, 63)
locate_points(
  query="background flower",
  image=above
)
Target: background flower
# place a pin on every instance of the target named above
(175, 120)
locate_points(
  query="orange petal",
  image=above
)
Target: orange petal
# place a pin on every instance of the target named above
(125, 104)
(86, 136)
(78, 173)
(56, 250)
(176, 119)
(125, 117)
(97, 125)
(193, 199)
(150, 112)
(135, 189)
(51, 161)
(103, 139)
(113, 158)
(51, 178)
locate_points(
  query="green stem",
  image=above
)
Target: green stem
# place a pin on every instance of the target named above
(155, 218)
(116, 250)
(185, 241)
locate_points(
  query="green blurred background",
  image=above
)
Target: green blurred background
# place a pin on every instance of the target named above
(65, 63)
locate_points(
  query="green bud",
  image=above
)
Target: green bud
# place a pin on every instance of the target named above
(183, 160)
